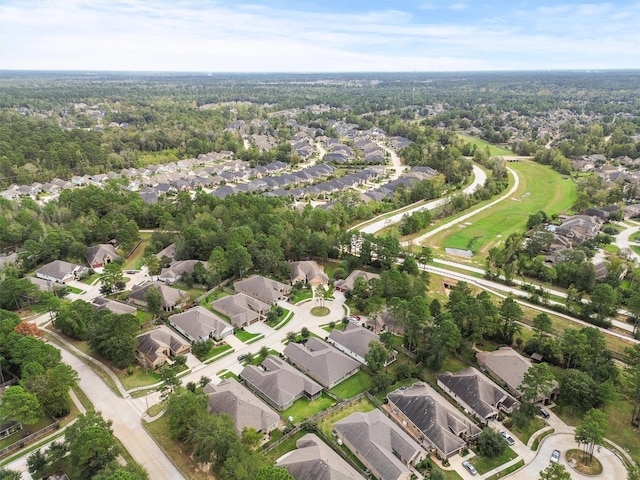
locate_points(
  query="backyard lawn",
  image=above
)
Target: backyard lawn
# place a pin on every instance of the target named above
(287, 445)
(303, 409)
(354, 385)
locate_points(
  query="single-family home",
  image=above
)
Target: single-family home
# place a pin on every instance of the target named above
(346, 285)
(354, 341)
(177, 269)
(245, 409)
(198, 323)
(443, 427)
(263, 288)
(508, 367)
(242, 309)
(171, 297)
(167, 252)
(99, 255)
(279, 383)
(157, 346)
(380, 444)
(119, 308)
(476, 393)
(308, 271)
(59, 271)
(315, 460)
(322, 362)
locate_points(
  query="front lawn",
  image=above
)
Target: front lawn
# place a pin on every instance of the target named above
(139, 377)
(215, 351)
(352, 386)
(302, 295)
(525, 434)
(245, 336)
(302, 409)
(484, 464)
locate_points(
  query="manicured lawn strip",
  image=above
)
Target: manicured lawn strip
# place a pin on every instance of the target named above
(303, 409)
(507, 471)
(538, 439)
(484, 464)
(84, 400)
(31, 448)
(494, 150)
(354, 385)
(215, 351)
(91, 278)
(159, 430)
(260, 336)
(75, 290)
(540, 189)
(287, 445)
(286, 320)
(525, 434)
(302, 295)
(245, 336)
(229, 375)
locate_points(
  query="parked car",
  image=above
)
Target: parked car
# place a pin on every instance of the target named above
(555, 456)
(242, 356)
(507, 437)
(543, 412)
(472, 470)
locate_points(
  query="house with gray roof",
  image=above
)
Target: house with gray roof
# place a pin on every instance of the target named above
(476, 393)
(177, 269)
(263, 288)
(198, 323)
(380, 444)
(169, 252)
(346, 285)
(99, 255)
(171, 297)
(241, 309)
(157, 346)
(119, 308)
(444, 428)
(60, 271)
(279, 383)
(308, 271)
(508, 367)
(354, 341)
(322, 362)
(315, 460)
(245, 409)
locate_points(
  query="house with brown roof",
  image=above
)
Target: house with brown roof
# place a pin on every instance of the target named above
(241, 309)
(443, 427)
(315, 460)
(157, 346)
(99, 255)
(278, 383)
(322, 362)
(476, 393)
(354, 341)
(171, 297)
(346, 285)
(263, 288)
(380, 444)
(245, 409)
(198, 323)
(308, 271)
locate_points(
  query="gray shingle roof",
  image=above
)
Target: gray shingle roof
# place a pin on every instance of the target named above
(354, 338)
(241, 308)
(155, 342)
(59, 269)
(170, 296)
(263, 288)
(200, 323)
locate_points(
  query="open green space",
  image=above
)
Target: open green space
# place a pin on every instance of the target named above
(540, 188)
(304, 294)
(352, 386)
(524, 434)
(137, 376)
(302, 409)
(485, 464)
(494, 150)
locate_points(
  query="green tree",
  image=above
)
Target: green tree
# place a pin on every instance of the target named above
(200, 348)
(490, 443)
(6, 474)
(20, 405)
(91, 444)
(51, 386)
(114, 471)
(511, 315)
(251, 437)
(114, 337)
(591, 432)
(271, 472)
(112, 279)
(170, 381)
(185, 410)
(538, 382)
(376, 356)
(214, 438)
(37, 462)
(154, 301)
(555, 471)
(74, 319)
(604, 301)
(239, 260)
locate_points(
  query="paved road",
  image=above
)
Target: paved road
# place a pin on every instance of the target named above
(479, 178)
(622, 239)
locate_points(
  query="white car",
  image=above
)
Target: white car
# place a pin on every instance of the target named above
(507, 437)
(472, 470)
(555, 456)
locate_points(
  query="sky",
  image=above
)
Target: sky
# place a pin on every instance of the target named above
(319, 36)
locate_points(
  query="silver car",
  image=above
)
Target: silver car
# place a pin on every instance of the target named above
(472, 470)
(555, 456)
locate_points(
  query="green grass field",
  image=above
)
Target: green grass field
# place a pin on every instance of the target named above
(540, 189)
(244, 336)
(494, 150)
(303, 408)
(485, 464)
(354, 385)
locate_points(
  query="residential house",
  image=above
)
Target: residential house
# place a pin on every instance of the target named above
(322, 362)
(508, 367)
(308, 271)
(315, 460)
(279, 383)
(346, 285)
(476, 393)
(263, 288)
(171, 297)
(168, 252)
(177, 269)
(157, 346)
(198, 323)
(242, 309)
(354, 341)
(99, 255)
(60, 271)
(443, 427)
(380, 444)
(119, 308)
(579, 228)
(245, 409)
